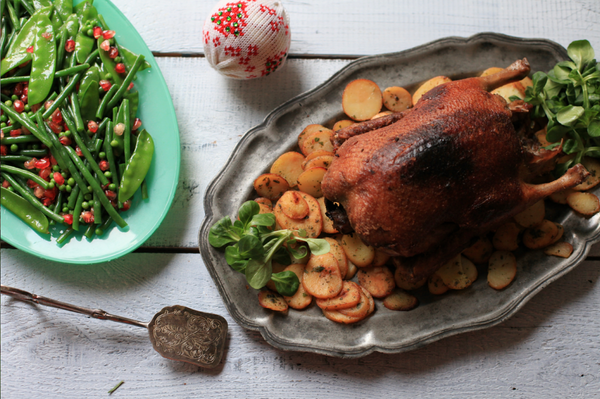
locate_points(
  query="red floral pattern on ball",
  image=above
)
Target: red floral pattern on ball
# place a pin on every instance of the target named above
(231, 19)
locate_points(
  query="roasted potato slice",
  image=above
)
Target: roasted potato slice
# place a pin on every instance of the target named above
(533, 215)
(322, 277)
(319, 140)
(401, 281)
(397, 99)
(380, 258)
(561, 249)
(271, 186)
(358, 252)
(361, 99)
(289, 166)
(352, 269)
(313, 223)
(308, 130)
(327, 223)
(293, 205)
(272, 300)
(319, 162)
(436, 285)
(593, 166)
(481, 251)
(560, 197)
(301, 299)
(379, 281)
(584, 203)
(342, 124)
(382, 113)
(459, 273)
(428, 85)
(264, 201)
(502, 269)
(400, 300)
(309, 181)
(513, 89)
(348, 297)
(336, 249)
(361, 309)
(541, 235)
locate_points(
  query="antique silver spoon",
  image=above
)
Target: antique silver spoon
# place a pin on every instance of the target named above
(176, 332)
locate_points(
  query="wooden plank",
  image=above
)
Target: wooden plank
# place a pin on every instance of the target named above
(213, 113)
(549, 348)
(371, 27)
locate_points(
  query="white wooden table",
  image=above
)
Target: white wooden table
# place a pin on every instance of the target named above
(550, 348)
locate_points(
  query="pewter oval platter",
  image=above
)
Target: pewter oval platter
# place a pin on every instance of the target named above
(387, 331)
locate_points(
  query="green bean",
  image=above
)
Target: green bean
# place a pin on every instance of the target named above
(14, 158)
(110, 155)
(32, 199)
(67, 115)
(42, 152)
(7, 129)
(59, 202)
(14, 20)
(73, 197)
(145, 190)
(77, 211)
(89, 233)
(105, 100)
(138, 62)
(86, 153)
(97, 209)
(96, 187)
(30, 9)
(25, 174)
(63, 95)
(4, 37)
(76, 112)
(71, 70)
(91, 57)
(60, 51)
(24, 121)
(14, 79)
(20, 139)
(64, 236)
(127, 131)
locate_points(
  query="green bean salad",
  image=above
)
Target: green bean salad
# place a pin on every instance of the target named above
(73, 151)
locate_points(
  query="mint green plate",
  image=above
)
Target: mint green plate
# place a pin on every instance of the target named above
(158, 117)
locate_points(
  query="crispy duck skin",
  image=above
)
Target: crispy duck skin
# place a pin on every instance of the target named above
(445, 172)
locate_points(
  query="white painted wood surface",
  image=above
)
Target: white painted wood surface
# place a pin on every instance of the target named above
(550, 348)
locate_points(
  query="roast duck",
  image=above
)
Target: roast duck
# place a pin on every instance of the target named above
(424, 184)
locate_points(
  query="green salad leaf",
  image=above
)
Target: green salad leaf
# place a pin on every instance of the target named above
(569, 97)
(251, 245)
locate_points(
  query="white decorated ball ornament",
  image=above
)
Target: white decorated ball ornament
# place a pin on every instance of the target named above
(246, 39)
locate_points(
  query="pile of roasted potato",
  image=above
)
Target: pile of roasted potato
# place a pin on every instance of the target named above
(292, 192)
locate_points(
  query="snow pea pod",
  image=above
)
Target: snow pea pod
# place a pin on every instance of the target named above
(31, 198)
(138, 166)
(83, 46)
(88, 95)
(64, 8)
(37, 4)
(43, 63)
(27, 33)
(129, 58)
(24, 211)
(109, 64)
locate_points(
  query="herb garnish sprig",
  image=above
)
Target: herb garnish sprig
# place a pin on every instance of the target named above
(252, 246)
(569, 97)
